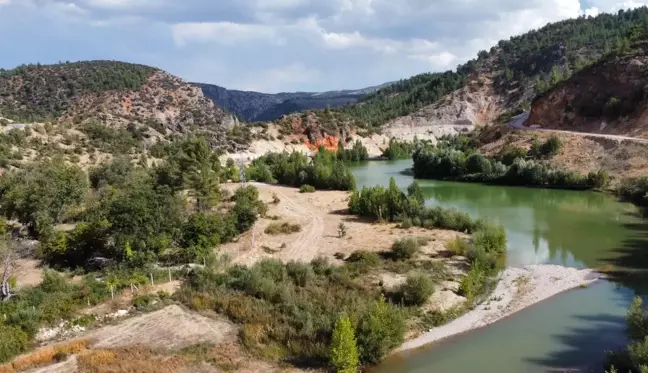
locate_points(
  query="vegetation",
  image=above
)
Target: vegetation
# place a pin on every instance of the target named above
(306, 189)
(357, 153)
(405, 248)
(46, 91)
(399, 149)
(449, 163)
(325, 171)
(635, 357)
(416, 290)
(634, 190)
(344, 352)
(289, 311)
(282, 228)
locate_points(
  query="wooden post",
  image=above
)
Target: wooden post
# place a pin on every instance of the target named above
(112, 292)
(152, 283)
(169, 274)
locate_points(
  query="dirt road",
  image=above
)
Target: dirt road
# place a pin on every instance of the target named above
(518, 122)
(319, 215)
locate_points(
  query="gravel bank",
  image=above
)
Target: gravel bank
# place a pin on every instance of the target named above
(517, 289)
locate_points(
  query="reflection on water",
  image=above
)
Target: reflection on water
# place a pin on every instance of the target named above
(572, 228)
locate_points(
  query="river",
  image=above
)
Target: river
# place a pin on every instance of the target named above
(569, 332)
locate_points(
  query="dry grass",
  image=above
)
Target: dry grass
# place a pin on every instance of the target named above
(45, 356)
(128, 360)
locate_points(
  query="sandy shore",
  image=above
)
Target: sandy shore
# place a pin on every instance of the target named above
(517, 289)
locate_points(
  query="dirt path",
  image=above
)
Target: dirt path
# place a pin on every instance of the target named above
(319, 214)
(518, 122)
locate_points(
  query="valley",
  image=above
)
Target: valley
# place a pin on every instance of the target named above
(150, 224)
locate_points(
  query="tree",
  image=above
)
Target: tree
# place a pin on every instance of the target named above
(40, 196)
(344, 352)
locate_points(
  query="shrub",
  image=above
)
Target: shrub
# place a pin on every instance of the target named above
(490, 237)
(510, 153)
(478, 164)
(405, 248)
(13, 342)
(306, 189)
(472, 284)
(458, 246)
(551, 147)
(282, 228)
(380, 331)
(416, 290)
(599, 179)
(344, 352)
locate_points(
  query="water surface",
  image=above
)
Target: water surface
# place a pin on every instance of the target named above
(571, 228)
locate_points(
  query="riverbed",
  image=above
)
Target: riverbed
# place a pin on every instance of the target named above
(569, 332)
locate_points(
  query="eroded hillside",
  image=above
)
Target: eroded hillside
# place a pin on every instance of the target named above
(116, 94)
(608, 97)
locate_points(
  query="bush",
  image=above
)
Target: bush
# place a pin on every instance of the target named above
(490, 237)
(416, 290)
(380, 331)
(458, 246)
(510, 153)
(405, 248)
(599, 179)
(13, 342)
(472, 284)
(282, 228)
(306, 189)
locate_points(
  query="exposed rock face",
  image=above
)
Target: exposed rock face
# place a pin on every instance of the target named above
(608, 97)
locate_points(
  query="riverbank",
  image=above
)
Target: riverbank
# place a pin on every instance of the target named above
(518, 288)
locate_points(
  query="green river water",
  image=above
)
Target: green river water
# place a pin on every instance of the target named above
(569, 332)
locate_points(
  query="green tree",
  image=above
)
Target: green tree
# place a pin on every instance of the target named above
(41, 195)
(344, 352)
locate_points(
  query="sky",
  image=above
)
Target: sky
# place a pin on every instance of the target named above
(276, 45)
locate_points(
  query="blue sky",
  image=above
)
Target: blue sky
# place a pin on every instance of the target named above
(276, 45)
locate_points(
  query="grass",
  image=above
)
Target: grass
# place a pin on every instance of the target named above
(45, 356)
(458, 246)
(282, 228)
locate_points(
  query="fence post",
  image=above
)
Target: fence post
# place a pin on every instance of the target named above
(152, 283)
(169, 274)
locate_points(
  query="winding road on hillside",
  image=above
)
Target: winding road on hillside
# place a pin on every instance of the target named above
(518, 122)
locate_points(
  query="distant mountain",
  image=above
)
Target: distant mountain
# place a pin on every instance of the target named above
(256, 106)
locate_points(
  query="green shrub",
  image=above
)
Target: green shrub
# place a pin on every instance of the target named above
(306, 189)
(13, 342)
(599, 179)
(472, 284)
(282, 228)
(405, 248)
(380, 331)
(490, 237)
(458, 246)
(510, 153)
(416, 290)
(366, 258)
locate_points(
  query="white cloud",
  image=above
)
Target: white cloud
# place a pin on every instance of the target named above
(225, 33)
(278, 45)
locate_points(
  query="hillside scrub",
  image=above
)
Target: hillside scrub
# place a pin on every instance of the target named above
(289, 311)
(324, 171)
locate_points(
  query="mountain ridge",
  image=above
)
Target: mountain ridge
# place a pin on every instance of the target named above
(255, 106)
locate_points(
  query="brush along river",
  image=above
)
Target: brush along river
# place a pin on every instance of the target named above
(565, 333)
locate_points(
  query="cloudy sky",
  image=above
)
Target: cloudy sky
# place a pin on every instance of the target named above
(276, 45)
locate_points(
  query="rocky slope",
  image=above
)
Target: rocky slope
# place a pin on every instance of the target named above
(116, 94)
(256, 106)
(608, 97)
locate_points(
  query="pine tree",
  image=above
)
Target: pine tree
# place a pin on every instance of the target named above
(344, 351)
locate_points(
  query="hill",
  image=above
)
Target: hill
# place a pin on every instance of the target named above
(608, 97)
(256, 106)
(120, 95)
(497, 83)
